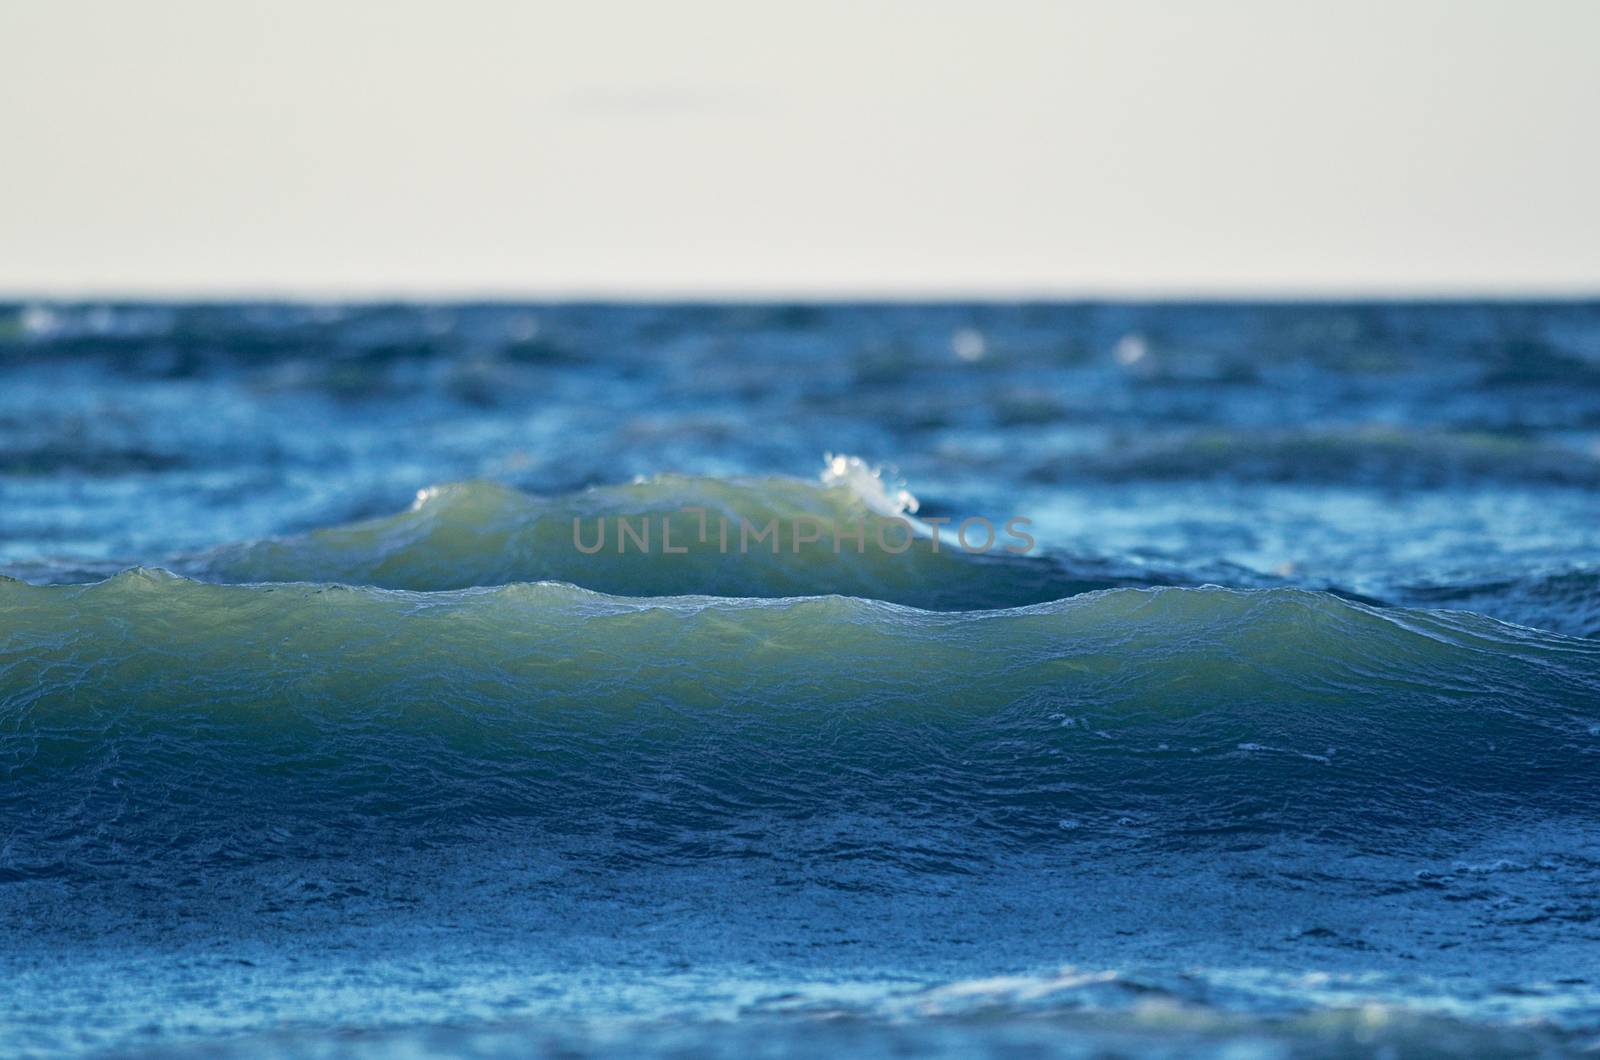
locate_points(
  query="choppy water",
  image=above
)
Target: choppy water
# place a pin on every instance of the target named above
(318, 735)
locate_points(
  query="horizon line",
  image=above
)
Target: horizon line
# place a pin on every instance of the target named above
(672, 295)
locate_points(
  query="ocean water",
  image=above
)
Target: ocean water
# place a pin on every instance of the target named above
(322, 734)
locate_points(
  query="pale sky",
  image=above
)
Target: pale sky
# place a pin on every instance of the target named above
(749, 148)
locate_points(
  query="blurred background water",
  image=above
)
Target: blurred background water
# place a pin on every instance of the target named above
(1445, 454)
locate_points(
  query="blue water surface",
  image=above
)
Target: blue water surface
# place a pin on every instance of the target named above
(1283, 740)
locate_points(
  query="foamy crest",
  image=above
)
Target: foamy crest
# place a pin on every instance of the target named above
(888, 498)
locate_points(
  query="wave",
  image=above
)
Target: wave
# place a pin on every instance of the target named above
(154, 720)
(480, 533)
(1565, 600)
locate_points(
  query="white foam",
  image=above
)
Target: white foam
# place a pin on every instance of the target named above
(886, 497)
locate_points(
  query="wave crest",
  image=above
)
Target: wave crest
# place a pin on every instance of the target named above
(481, 533)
